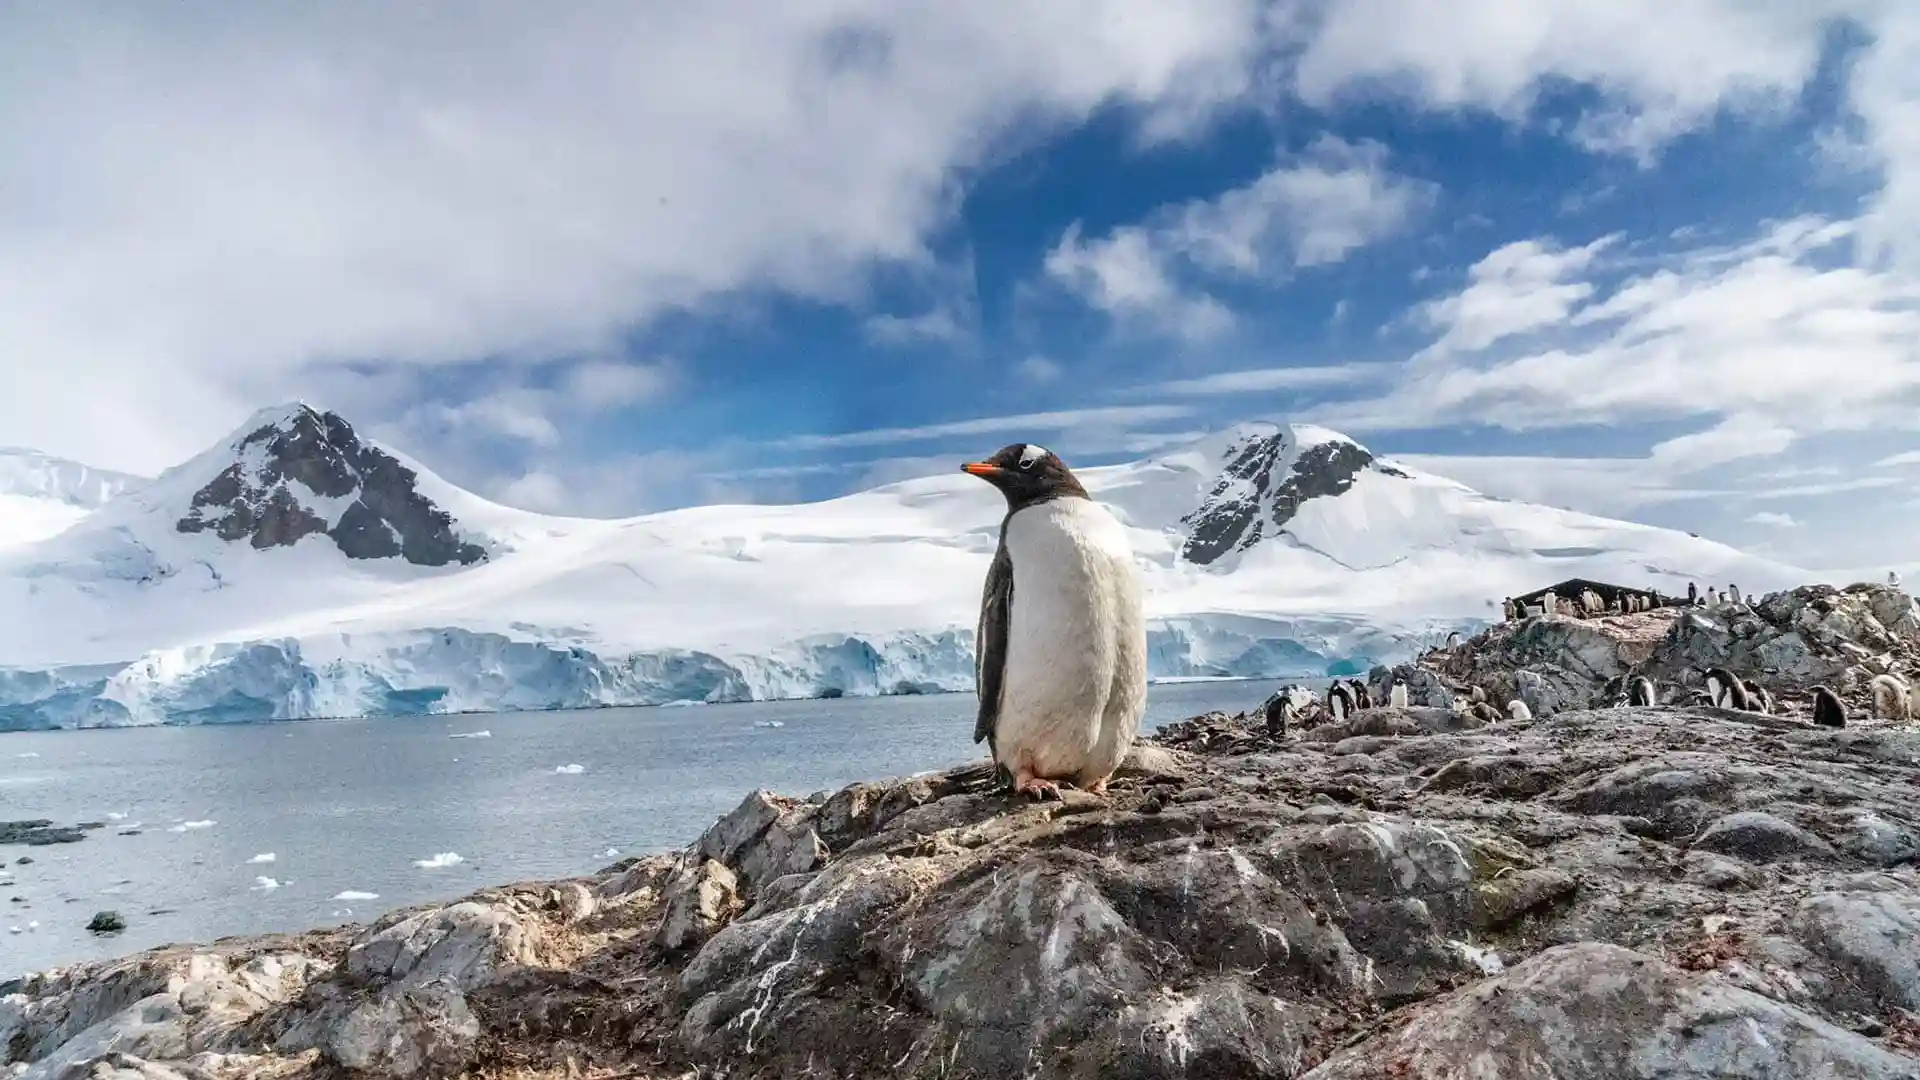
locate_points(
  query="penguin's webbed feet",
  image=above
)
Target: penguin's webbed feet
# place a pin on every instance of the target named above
(1035, 788)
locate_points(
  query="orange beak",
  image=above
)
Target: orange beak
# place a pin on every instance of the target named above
(981, 468)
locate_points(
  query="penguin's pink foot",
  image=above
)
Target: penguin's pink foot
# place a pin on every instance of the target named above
(1025, 783)
(1098, 787)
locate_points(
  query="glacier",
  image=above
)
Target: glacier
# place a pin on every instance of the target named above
(455, 670)
(298, 570)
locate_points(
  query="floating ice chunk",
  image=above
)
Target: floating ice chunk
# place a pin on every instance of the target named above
(115, 815)
(28, 754)
(15, 930)
(482, 734)
(610, 853)
(769, 723)
(263, 857)
(32, 925)
(570, 770)
(264, 884)
(355, 894)
(189, 826)
(445, 858)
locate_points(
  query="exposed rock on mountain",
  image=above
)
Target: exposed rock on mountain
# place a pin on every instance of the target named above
(1672, 893)
(1267, 473)
(306, 472)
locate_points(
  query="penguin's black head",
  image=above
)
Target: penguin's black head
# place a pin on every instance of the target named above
(1027, 473)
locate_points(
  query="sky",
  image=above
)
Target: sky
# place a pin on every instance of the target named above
(1655, 259)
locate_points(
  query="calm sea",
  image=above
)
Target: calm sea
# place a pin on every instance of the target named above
(296, 825)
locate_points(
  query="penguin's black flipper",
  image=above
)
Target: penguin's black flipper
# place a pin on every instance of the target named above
(996, 615)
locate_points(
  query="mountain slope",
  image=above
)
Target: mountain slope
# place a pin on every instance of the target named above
(42, 495)
(299, 569)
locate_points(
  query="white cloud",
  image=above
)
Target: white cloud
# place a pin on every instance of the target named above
(1516, 288)
(512, 415)
(200, 206)
(1774, 520)
(1910, 457)
(1737, 437)
(1308, 210)
(1661, 69)
(1024, 423)
(1257, 380)
(1039, 370)
(1776, 331)
(601, 385)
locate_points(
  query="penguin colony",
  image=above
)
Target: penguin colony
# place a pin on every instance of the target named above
(1587, 604)
(1061, 670)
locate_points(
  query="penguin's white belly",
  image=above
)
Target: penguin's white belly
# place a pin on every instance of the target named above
(1076, 662)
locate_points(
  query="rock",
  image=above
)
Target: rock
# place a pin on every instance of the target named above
(106, 922)
(39, 832)
(1758, 836)
(699, 903)
(461, 945)
(1873, 938)
(1636, 1018)
(416, 1030)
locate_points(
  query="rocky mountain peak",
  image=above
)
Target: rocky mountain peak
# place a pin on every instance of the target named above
(297, 471)
(1267, 472)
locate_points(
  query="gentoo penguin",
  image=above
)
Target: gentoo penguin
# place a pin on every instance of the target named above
(1340, 701)
(1734, 594)
(1453, 639)
(1828, 711)
(1485, 713)
(1693, 594)
(1890, 698)
(1640, 691)
(1517, 710)
(1062, 668)
(1509, 611)
(1893, 578)
(1758, 700)
(1725, 690)
(1397, 697)
(1362, 697)
(1284, 708)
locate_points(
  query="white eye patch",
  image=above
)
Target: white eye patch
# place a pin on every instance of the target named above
(1031, 454)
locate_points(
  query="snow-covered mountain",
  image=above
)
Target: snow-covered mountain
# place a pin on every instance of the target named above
(298, 569)
(41, 495)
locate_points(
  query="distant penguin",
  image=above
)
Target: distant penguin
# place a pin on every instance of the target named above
(1758, 700)
(1062, 668)
(1486, 713)
(1890, 698)
(1509, 611)
(1893, 578)
(1693, 595)
(1828, 711)
(1453, 639)
(1724, 688)
(1550, 603)
(1362, 697)
(1397, 697)
(1517, 710)
(1339, 701)
(1285, 708)
(1640, 691)
(1734, 594)
(1478, 695)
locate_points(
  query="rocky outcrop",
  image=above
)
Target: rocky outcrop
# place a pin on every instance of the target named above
(1666, 892)
(287, 478)
(1788, 642)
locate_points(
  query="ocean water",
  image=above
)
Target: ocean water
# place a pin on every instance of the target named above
(381, 806)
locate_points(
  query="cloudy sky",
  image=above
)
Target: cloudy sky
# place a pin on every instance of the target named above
(1651, 258)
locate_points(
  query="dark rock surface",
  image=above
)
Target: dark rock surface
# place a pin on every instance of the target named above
(1262, 486)
(39, 832)
(1660, 892)
(267, 495)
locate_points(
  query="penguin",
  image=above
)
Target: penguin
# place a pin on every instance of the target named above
(1062, 666)
(1517, 710)
(1397, 697)
(1486, 713)
(1725, 690)
(1734, 594)
(1640, 691)
(1693, 595)
(1478, 695)
(1890, 698)
(1550, 603)
(1453, 639)
(1339, 701)
(1893, 578)
(1509, 611)
(1362, 697)
(1758, 700)
(1828, 711)
(1284, 708)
